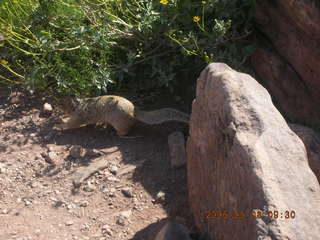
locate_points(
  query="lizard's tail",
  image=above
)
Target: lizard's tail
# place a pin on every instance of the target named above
(161, 115)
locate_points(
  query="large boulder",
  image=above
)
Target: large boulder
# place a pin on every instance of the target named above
(290, 93)
(248, 174)
(293, 29)
(311, 140)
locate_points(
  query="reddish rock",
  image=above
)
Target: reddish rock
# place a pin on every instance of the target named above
(173, 231)
(311, 140)
(291, 95)
(293, 29)
(242, 159)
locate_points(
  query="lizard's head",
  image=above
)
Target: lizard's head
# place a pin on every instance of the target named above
(68, 103)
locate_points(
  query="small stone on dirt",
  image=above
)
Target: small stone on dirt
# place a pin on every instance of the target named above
(127, 192)
(113, 169)
(112, 179)
(69, 223)
(2, 168)
(49, 157)
(76, 151)
(47, 108)
(27, 202)
(161, 196)
(123, 218)
(5, 211)
(89, 187)
(84, 204)
(34, 185)
(106, 230)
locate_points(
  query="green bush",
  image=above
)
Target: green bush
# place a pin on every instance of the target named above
(89, 47)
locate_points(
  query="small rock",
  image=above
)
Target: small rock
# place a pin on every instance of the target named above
(76, 151)
(113, 179)
(106, 230)
(111, 192)
(34, 185)
(161, 196)
(85, 227)
(89, 187)
(84, 204)
(121, 221)
(113, 169)
(47, 108)
(123, 218)
(49, 157)
(2, 168)
(126, 214)
(69, 223)
(27, 202)
(5, 211)
(127, 192)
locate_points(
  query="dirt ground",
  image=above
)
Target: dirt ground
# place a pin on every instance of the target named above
(130, 199)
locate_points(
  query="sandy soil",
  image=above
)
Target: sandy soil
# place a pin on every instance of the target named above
(130, 199)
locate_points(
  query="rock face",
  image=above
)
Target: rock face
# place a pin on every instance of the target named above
(245, 165)
(173, 231)
(290, 93)
(311, 141)
(293, 29)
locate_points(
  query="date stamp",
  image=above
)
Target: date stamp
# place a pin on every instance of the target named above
(256, 213)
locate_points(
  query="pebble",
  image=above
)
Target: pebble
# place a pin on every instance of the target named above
(122, 219)
(127, 192)
(113, 169)
(84, 204)
(69, 223)
(76, 151)
(89, 187)
(49, 157)
(27, 203)
(5, 211)
(34, 185)
(47, 108)
(2, 168)
(161, 196)
(85, 227)
(126, 214)
(113, 179)
(106, 230)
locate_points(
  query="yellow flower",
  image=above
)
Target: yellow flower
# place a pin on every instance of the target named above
(164, 2)
(203, 2)
(196, 19)
(3, 62)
